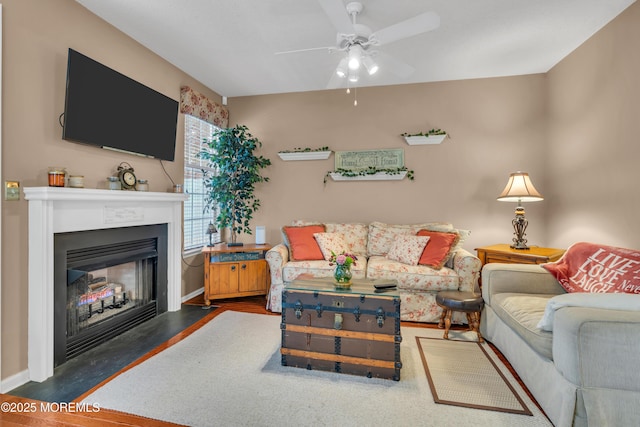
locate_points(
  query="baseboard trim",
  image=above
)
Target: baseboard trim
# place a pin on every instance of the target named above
(193, 294)
(14, 381)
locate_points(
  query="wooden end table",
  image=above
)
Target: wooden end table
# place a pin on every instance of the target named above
(505, 254)
(236, 271)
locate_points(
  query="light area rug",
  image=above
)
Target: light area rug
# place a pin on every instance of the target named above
(228, 373)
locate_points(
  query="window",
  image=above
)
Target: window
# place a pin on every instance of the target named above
(196, 220)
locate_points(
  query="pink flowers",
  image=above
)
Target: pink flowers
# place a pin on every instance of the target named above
(342, 259)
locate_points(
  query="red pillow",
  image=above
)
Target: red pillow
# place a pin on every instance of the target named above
(302, 245)
(438, 249)
(591, 268)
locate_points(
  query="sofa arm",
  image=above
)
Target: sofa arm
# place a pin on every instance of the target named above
(598, 348)
(468, 268)
(500, 278)
(277, 257)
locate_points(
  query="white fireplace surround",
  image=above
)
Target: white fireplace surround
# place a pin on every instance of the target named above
(60, 210)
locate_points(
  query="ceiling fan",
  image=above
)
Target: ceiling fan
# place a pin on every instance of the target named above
(358, 42)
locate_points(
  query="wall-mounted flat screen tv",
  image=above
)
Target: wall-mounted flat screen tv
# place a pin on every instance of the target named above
(110, 110)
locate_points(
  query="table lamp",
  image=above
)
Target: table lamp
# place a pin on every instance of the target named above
(520, 189)
(211, 230)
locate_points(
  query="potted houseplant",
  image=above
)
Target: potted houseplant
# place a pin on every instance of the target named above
(230, 189)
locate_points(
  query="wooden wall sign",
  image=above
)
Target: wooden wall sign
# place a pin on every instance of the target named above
(364, 159)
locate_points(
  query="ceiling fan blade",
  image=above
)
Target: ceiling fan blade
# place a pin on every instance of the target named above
(397, 67)
(328, 48)
(413, 26)
(338, 15)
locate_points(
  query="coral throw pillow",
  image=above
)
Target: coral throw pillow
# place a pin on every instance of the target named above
(593, 268)
(407, 249)
(331, 242)
(439, 248)
(302, 244)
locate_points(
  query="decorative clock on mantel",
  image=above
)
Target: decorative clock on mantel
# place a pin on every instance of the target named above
(127, 176)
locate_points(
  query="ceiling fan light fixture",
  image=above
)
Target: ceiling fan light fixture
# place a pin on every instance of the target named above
(355, 57)
(354, 76)
(342, 69)
(371, 66)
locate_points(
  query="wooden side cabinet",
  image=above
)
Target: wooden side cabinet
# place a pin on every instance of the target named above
(505, 254)
(236, 271)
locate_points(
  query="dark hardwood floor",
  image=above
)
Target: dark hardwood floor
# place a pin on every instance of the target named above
(32, 398)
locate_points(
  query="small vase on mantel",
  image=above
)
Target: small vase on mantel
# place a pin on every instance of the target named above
(342, 276)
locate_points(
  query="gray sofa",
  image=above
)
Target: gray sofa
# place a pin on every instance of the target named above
(586, 371)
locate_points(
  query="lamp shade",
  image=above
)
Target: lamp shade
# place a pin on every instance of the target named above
(211, 229)
(342, 71)
(370, 65)
(520, 189)
(355, 57)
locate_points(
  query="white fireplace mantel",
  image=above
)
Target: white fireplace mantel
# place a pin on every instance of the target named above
(59, 210)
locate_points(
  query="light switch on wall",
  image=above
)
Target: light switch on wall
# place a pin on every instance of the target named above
(12, 190)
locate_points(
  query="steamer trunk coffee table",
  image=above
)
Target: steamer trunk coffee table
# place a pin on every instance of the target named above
(354, 331)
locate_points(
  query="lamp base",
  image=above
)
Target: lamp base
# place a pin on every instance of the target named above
(519, 246)
(519, 226)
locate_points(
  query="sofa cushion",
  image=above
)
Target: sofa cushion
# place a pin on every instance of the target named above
(293, 269)
(593, 268)
(522, 312)
(412, 277)
(354, 234)
(382, 236)
(331, 243)
(439, 248)
(301, 243)
(407, 249)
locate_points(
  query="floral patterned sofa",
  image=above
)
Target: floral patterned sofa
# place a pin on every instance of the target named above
(373, 244)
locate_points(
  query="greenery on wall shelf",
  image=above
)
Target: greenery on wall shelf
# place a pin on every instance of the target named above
(305, 150)
(427, 133)
(230, 191)
(370, 171)
(321, 153)
(430, 137)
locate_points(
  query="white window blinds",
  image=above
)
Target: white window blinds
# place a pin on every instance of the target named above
(196, 220)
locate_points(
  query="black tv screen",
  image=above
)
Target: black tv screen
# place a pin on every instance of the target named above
(110, 110)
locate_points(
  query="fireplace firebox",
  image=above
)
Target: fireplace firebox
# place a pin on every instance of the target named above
(106, 282)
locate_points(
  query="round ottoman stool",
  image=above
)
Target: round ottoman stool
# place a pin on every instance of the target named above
(467, 302)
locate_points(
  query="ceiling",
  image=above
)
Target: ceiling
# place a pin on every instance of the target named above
(230, 45)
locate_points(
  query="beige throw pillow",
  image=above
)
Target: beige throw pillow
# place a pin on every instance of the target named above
(407, 249)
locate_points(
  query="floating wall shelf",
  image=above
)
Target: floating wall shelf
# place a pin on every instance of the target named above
(380, 176)
(424, 140)
(305, 155)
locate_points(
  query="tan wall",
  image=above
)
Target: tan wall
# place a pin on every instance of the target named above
(577, 143)
(36, 37)
(593, 147)
(497, 126)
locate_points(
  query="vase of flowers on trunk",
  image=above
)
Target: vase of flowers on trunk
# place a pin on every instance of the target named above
(342, 273)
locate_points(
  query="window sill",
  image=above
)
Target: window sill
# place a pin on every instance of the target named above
(191, 252)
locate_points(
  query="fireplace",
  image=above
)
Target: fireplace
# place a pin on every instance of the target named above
(57, 211)
(105, 283)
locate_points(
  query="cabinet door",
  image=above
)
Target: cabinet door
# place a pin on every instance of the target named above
(253, 276)
(223, 278)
